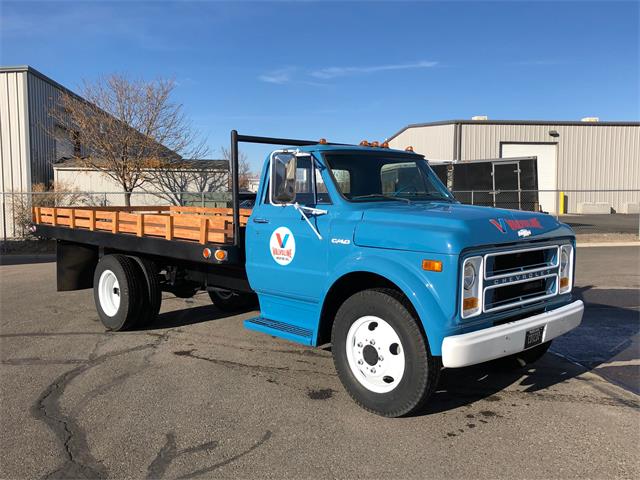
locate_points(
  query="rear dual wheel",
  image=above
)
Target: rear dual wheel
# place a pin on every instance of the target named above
(126, 292)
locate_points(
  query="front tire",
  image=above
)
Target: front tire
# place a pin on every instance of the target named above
(117, 292)
(381, 355)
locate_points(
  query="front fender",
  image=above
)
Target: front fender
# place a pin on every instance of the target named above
(432, 294)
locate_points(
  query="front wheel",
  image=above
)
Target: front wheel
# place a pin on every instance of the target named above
(381, 355)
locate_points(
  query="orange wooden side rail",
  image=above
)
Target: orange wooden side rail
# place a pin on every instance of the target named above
(196, 224)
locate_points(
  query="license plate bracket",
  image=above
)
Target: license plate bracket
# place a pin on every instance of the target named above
(533, 337)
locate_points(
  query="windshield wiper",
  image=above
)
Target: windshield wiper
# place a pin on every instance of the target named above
(381, 195)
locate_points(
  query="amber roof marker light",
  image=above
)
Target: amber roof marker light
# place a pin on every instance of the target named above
(322, 141)
(364, 143)
(409, 149)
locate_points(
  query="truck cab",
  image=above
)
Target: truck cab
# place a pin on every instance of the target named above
(364, 247)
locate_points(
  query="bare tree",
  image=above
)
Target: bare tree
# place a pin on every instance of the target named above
(181, 176)
(244, 169)
(127, 128)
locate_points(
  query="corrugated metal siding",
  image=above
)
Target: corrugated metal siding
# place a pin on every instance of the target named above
(42, 97)
(15, 174)
(14, 133)
(434, 142)
(590, 157)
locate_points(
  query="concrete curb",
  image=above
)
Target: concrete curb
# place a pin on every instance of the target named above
(608, 244)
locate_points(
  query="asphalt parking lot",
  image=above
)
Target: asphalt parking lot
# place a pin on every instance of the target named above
(198, 396)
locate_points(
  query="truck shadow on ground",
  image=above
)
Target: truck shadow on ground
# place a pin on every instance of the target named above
(190, 316)
(490, 382)
(608, 330)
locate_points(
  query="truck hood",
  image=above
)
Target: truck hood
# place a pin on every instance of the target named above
(450, 228)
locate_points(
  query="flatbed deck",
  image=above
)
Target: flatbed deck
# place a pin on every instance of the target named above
(203, 225)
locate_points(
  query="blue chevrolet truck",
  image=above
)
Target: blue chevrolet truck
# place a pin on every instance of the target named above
(359, 246)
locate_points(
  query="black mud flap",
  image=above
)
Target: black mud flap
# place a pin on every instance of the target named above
(76, 263)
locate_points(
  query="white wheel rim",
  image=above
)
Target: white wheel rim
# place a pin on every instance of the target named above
(375, 354)
(109, 293)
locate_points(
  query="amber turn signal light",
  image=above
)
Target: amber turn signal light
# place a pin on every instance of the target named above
(470, 303)
(432, 265)
(221, 255)
(564, 282)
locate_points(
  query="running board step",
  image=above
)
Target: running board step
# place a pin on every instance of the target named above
(280, 329)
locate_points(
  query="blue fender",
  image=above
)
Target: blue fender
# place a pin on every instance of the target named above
(416, 284)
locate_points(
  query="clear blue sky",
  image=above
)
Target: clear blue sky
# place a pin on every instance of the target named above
(344, 71)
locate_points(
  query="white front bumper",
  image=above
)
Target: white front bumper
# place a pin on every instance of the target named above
(502, 340)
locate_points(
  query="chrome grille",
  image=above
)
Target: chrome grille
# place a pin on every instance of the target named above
(519, 277)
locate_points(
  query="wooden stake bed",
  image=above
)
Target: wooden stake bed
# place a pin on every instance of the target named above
(192, 224)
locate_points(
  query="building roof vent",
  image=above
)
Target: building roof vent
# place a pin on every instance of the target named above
(479, 117)
(590, 119)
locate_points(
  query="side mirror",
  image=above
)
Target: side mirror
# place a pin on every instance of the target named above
(283, 177)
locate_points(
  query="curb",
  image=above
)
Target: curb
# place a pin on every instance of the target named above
(608, 244)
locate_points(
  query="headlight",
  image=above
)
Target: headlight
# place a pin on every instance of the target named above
(566, 269)
(471, 287)
(469, 276)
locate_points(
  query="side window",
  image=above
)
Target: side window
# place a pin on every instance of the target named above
(321, 189)
(304, 181)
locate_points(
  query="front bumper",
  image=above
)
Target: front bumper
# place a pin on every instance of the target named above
(502, 340)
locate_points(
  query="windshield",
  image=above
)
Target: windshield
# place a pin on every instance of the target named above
(374, 177)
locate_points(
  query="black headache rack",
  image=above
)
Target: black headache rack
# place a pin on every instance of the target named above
(237, 138)
(179, 250)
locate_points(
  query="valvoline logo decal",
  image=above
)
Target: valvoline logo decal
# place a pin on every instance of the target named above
(501, 224)
(282, 246)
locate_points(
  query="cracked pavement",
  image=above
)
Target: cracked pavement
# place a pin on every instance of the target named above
(197, 396)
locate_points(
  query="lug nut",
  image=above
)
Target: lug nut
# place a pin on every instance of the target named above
(373, 370)
(373, 342)
(381, 358)
(359, 344)
(359, 362)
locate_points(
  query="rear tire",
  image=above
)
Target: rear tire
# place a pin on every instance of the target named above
(232, 301)
(153, 293)
(117, 292)
(381, 355)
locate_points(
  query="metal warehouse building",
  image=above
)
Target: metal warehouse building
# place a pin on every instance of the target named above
(581, 155)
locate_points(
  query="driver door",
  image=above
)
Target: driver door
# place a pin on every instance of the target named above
(286, 260)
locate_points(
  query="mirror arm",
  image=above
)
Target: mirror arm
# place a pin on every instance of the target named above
(301, 211)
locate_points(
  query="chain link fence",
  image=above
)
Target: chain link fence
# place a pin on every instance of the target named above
(611, 213)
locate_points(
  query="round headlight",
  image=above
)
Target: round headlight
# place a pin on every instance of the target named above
(564, 260)
(469, 276)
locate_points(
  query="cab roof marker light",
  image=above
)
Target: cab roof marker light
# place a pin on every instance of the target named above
(409, 149)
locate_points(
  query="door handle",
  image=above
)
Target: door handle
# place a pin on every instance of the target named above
(260, 220)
